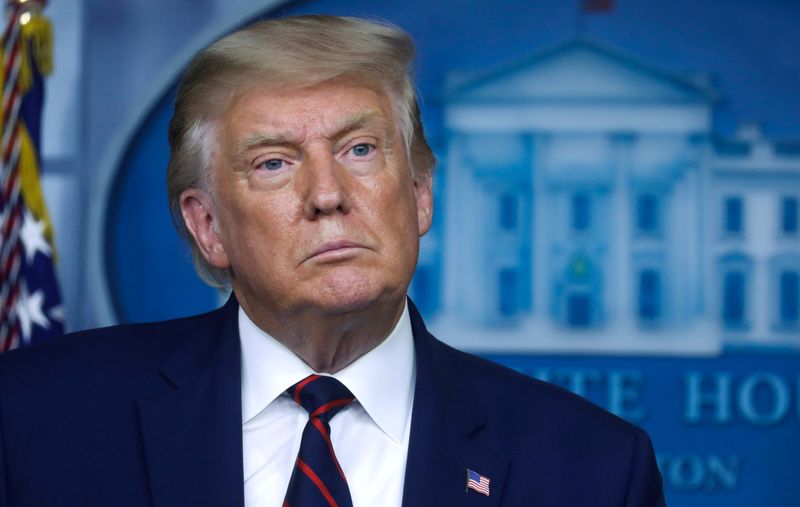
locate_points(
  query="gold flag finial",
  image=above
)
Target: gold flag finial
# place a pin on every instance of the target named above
(37, 39)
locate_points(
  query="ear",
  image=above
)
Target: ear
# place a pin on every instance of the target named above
(199, 214)
(423, 188)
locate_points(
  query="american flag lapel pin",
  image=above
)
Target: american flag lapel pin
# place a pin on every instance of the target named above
(477, 482)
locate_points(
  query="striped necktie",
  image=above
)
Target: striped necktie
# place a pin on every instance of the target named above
(317, 478)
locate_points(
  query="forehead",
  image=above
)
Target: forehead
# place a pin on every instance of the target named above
(299, 113)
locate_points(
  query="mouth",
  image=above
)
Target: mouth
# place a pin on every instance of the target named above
(336, 250)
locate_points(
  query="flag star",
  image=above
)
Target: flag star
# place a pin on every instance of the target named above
(30, 312)
(57, 313)
(32, 235)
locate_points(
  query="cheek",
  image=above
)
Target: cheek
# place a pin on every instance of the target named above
(387, 204)
(256, 227)
(399, 220)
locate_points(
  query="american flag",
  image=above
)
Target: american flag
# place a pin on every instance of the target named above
(30, 301)
(477, 482)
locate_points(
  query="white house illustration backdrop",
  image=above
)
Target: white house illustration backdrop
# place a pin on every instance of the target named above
(585, 204)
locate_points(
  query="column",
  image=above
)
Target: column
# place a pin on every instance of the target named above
(621, 280)
(678, 246)
(694, 233)
(541, 241)
(453, 262)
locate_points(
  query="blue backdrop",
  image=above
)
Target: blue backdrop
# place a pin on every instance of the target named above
(617, 212)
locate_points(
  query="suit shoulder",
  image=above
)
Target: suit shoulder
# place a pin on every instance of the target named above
(512, 393)
(534, 422)
(117, 350)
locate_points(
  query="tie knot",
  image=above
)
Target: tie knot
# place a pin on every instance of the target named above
(321, 396)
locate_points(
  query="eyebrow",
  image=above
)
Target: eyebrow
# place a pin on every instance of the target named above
(363, 119)
(259, 140)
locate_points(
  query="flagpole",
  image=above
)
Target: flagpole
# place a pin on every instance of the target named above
(10, 212)
(30, 300)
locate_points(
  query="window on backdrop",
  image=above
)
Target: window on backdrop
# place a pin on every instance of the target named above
(647, 214)
(649, 295)
(789, 298)
(733, 216)
(789, 216)
(581, 213)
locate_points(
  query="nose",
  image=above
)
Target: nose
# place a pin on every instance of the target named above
(326, 187)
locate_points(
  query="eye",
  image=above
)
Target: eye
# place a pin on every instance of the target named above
(362, 150)
(272, 164)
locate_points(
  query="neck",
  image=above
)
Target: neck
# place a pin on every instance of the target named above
(330, 342)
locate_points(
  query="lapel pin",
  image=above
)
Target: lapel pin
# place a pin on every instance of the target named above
(477, 482)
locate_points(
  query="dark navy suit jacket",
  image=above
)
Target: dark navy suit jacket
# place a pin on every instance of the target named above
(150, 414)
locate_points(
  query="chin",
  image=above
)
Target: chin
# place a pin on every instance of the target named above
(343, 306)
(342, 295)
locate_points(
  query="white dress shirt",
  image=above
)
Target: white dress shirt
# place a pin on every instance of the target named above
(370, 436)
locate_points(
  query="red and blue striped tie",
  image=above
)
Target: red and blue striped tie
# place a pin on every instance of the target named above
(317, 478)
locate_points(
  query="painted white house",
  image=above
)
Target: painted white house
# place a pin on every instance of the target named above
(755, 238)
(585, 205)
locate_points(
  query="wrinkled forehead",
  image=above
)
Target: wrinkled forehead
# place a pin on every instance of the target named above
(232, 87)
(290, 115)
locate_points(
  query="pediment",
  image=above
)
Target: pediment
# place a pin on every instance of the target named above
(579, 70)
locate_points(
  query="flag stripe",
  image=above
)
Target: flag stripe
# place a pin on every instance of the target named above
(30, 303)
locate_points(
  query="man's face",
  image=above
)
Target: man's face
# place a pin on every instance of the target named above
(314, 207)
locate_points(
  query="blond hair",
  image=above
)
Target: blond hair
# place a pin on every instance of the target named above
(288, 52)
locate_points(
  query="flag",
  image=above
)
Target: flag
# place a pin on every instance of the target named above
(597, 5)
(477, 482)
(30, 300)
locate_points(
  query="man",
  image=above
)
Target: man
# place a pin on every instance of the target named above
(302, 177)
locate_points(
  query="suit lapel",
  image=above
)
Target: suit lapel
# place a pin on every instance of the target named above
(193, 433)
(447, 428)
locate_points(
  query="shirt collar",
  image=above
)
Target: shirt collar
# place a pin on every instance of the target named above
(382, 380)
